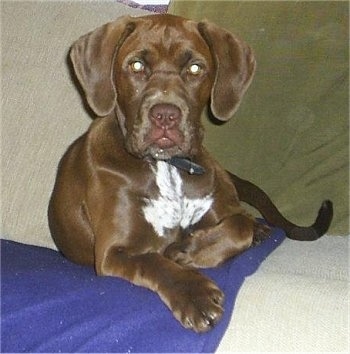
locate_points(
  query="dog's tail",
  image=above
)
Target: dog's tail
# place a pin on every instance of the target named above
(256, 197)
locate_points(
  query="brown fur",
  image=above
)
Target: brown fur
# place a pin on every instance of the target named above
(152, 112)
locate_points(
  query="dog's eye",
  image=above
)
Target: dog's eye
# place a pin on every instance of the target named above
(194, 69)
(137, 66)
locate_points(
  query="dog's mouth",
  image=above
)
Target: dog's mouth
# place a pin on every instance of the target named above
(164, 138)
(165, 143)
(164, 147)
(159, 144)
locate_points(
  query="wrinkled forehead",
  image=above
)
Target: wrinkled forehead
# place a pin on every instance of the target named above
(165, 36)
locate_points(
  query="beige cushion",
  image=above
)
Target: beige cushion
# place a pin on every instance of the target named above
(42, 111)
(298, 301)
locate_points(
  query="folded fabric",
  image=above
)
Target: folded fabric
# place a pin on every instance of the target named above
(49, 304)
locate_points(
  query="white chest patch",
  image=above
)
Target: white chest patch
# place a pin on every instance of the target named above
(172, 208)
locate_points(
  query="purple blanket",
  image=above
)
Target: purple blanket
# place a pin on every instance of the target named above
(49, 304)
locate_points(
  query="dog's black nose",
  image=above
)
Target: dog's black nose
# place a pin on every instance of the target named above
(165, 115)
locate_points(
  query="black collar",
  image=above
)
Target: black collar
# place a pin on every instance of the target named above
(187, 165)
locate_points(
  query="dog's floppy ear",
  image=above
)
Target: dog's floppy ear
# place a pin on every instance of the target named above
(92, 56)
(235, 65)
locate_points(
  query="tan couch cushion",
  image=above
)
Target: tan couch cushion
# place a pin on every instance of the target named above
(298, 301)
(42, 111)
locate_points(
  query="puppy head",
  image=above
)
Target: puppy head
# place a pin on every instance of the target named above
(158, 73)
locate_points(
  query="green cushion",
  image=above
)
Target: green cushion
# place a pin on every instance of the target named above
(290, 135)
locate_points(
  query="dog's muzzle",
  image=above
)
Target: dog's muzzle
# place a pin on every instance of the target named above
(162, 129)
(165, 121)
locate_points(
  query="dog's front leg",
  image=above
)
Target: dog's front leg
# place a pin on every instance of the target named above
(211, 246)
(194, 299)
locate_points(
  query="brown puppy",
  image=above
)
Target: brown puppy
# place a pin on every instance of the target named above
(138, 196)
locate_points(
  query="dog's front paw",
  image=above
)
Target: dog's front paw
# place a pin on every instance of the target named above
(179, 252)
(196, 302)
(261, 233)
